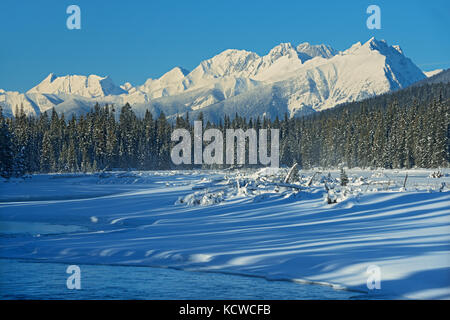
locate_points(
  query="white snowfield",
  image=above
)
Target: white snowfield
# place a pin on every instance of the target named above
(432, 72)
(295, 80)
(249, 223)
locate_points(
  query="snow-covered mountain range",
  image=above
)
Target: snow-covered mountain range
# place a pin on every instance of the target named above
(297, 80)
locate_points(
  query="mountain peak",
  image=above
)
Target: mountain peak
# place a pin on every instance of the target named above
(283, 49)
(226, 63)
(175, 74)
(51, 77)
(398, 48)
(183, 71)
(375, 44)
(91, 86)
(309, 51)
(229, 53)
(432, 72)
(127, 86)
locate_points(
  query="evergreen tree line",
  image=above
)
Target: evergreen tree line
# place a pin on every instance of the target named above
(408, 128)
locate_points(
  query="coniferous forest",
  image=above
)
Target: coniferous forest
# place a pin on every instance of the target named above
(404, 129)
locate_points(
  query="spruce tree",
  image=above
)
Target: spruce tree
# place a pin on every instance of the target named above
(6, 149)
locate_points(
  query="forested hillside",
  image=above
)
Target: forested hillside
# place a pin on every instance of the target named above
(404, 129)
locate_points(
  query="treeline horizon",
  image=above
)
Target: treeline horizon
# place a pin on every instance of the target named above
(405, 129)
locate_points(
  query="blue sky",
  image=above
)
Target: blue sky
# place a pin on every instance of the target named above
(134, 40)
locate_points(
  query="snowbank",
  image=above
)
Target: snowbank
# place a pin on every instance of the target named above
(256, 226)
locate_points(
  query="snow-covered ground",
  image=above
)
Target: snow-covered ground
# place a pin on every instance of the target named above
(250, 223)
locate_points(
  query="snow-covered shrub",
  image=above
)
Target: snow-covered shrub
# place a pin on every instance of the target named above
(344, 178)
(201, 199)
(436, 174)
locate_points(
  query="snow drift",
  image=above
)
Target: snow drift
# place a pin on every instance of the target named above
(248, 223)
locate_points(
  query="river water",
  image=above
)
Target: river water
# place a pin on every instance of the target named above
(22, 279)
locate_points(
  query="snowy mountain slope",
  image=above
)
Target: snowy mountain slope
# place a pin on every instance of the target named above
(169, 84)
(441, 77)
(90, 87)
(308, 51)
(297, 80)
(62, 93)
(323, 83)
(431, 73)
